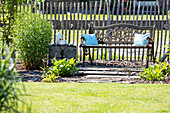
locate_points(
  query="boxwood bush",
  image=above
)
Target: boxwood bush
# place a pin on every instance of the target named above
(32, 36)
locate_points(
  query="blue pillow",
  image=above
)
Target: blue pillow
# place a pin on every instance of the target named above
(90, 39)
(141, 39)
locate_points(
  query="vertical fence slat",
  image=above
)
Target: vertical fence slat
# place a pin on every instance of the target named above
(134, 12)
(23, 7)
(31, 6)
(162, 26)
(82, 5)
(28, 6)
(86, 18)
(103, 31)
(169, 30)
(138, 13)
(133, 23)
(95, 11)
(74, 24)
(62, 17)
(122, 13)
(158, 28)
(66, 21)
(47, 11)
(137, 25)
(90, 11)
(40, 8)
(113, 10)
(82, 12)
(118, 6)
(147, 13)
(51, 10)
(166, 24)
(141, 24)
(78, 28)
(55, 19)
(130, 11)
(70, 25)
(20, 4)
(126, 9)
(59, 5)
(35, 6)
(131, 36)
(154, 13)
(43, 9)
(117, 18)
(150, 22)
(99, 21)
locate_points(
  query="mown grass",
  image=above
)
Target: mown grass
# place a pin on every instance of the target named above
(97, 98)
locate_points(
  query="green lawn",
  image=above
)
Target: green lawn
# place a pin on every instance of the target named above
(97, 98)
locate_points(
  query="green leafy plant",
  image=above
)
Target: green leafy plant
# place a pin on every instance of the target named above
(32, 36)
(158, 72)
(50, 74)
(64, 67)
(8, 96)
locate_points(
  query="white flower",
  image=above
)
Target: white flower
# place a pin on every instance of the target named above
(61, 66)
(68, 68)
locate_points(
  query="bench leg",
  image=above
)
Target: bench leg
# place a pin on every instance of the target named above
(90, 57)
(153, 54)
(147, 59)
(83, 56)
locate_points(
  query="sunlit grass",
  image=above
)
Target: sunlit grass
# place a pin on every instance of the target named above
(97, 98)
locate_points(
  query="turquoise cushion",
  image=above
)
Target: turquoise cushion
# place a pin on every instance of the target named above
(90, 39)
(141, 39)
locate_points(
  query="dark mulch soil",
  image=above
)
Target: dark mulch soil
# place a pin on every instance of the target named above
(36, 75)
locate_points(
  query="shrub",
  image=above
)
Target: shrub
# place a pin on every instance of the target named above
(50, 75)
(64, 67)
(8, 97)
(32, 36)
(156, 73)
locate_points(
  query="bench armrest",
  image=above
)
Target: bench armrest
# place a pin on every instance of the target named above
(82, 41)
(150, 40)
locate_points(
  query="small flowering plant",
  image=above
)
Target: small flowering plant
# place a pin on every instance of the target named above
(65, 67)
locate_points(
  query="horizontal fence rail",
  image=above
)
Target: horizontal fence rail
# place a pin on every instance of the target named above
(73, 18)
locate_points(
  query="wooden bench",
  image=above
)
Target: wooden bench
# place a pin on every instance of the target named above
(120, 36)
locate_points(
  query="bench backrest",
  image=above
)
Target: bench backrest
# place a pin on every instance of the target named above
(121, 33)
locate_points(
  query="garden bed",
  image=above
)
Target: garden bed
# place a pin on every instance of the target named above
(36, 75)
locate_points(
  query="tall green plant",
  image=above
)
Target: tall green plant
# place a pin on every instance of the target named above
(8, 96)
(32, 36)
(8, 9)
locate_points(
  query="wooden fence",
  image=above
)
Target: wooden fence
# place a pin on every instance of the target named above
(74, 18)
